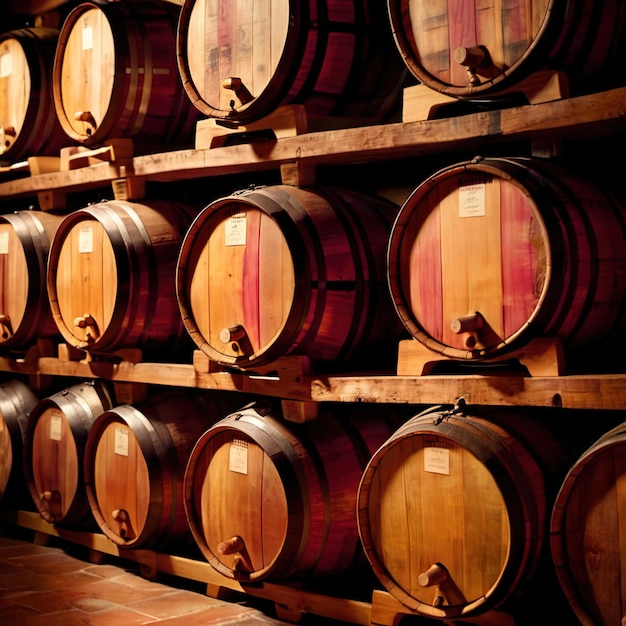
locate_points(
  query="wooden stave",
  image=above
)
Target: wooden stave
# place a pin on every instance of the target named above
(527, 461)
(583, 561)
(17, 400)
(300, 66)
(35, 230)
(320, 537)
(145, 237)
(373, 324)
(165, 442)
(41, 133)
(150, 116)
(563, 43)
(80, 404)
(562, 202)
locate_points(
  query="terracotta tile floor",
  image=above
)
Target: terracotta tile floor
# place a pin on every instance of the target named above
(55, 585)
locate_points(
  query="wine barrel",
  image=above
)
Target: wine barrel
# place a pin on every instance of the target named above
(25, 314)
(240, 61)
(110, 276)
(135, 460)
(115, 75)
(16, 402)
(54, 449)
(469, 50)
(487, 255)
(268, 499)
(453, 509)
(28, 122)
(587, 529)
(283, 270)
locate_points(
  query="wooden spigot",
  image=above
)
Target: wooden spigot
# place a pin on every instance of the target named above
(470, 325)
(125, 529)
(437, 576)
(236, 546)
(471, 58)
(5, 325)
(88, 322)
(51, 505)
(88, 118)
(241, 91)
(7, 135)
(231, 546)
(238, 339)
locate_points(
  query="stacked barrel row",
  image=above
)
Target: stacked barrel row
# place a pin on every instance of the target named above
(456, 510)
(484, 257)
(148, 70)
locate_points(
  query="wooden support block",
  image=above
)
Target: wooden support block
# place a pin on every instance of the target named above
(130, 188)
(117, 151)
(67, 353)
(51, 200)
(386, 610)
(43, 165)
(130, 393)
(299, 411)
(420, 103)
(297, 174)
(285, 121)
(203, 364)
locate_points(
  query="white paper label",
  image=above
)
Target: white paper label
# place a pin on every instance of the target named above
(437, 460)
(238, 459)
(4, 242)
(472, 201)
(56, 425)
(6, 65)
(235, 229)
(85, 240)
(87, 40)
(121, 441)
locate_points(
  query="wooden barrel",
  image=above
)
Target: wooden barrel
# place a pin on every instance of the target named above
(268, 499)
(241, 60)
(489, 254)
(115, 75)
(135, 460)
(28, 122)
(54, 450)
(16, 402)
(110, 279)
(283, 270)
(25, 314)
(453, 509)
(588, 529)
(470, 49)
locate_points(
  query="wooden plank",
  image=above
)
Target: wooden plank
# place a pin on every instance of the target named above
(593, 115)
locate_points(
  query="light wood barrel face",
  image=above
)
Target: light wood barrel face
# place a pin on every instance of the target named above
(55, 464)
(14, 282)
(430, 500)
(121, 482)
(473, 243)
(238, 492)
(85, 281)
(429, 33)
(240, 275)
(85, 68)
(588, 529)
(15, 91)
(234, 39)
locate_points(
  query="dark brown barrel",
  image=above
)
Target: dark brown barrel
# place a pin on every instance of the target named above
(467, 49)
(111, 272)
(489, 254)
(588, 528)
(241, 60)
(25, 315)
(28, 122)
(284, 270)
(453, 509)
(272, 500)
(135, 460)
(16, 402)
(115, 75)
(54, 449)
